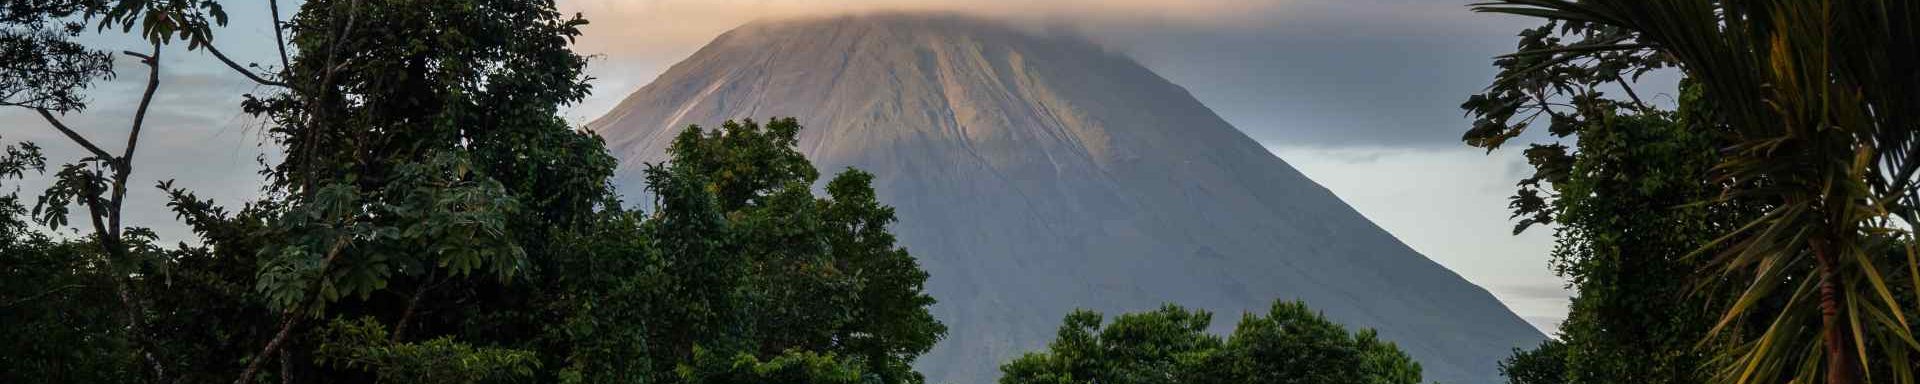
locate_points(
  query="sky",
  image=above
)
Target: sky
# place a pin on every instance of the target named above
(1361, 95)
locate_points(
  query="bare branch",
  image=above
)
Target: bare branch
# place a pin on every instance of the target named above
(279, 40)
(1625, 85)
(243, 70)
(123, 167)
(146, 99)
(51, 119)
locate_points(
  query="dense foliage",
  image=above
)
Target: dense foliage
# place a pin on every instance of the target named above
(1629, 230)
(1290, 344)
(1545, 364)
(60, 313)
(777, 275)
(1757, 234)
(1633, 208)
(433, 220)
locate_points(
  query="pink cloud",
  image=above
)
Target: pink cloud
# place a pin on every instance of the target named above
(627, 27)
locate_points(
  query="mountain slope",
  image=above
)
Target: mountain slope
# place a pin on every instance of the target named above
(1035, 174)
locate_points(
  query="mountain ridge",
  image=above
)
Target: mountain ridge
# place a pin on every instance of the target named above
(1036, 173)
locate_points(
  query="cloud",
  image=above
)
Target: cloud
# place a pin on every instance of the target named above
(680, 21)
(665, 27)
(1451, 205)
(1542, 291)
(634, 40)
(1302, 72)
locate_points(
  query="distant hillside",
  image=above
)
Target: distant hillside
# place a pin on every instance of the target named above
(1036, 174)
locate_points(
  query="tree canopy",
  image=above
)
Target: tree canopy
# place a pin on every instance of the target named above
(434, 220)
(1290, 344)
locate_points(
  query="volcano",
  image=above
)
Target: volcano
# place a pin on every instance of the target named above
(1036, 172)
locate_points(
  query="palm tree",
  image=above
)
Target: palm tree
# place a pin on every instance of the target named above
(1819, 99)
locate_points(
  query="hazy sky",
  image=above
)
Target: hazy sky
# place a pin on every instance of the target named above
(1361, 95)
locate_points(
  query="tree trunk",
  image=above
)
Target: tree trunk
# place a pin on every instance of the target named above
(413, 304)
(1841, 367)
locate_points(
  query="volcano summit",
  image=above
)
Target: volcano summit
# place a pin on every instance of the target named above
(1038, 173)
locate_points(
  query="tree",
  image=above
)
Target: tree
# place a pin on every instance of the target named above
(763, 268)
(422, 197)
(1161, 346)
(891, 325)
(1630, 221)
(774, 284)
(1813, 102)
(45, 70)
(61, 317)
(1627, 201)
(791, 367)
(432, 218)
(1545, 364)
(365, 344)
(423, 154)
(1291, 344)
(1383, 362)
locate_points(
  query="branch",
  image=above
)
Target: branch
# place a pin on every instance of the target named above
(279, 39)
(400, 328)
(146, 99)
(292, 316)
(243, 70)
(101, 153)
(286, 326)
(124, 166)
(1641, 105)
(308, 144)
